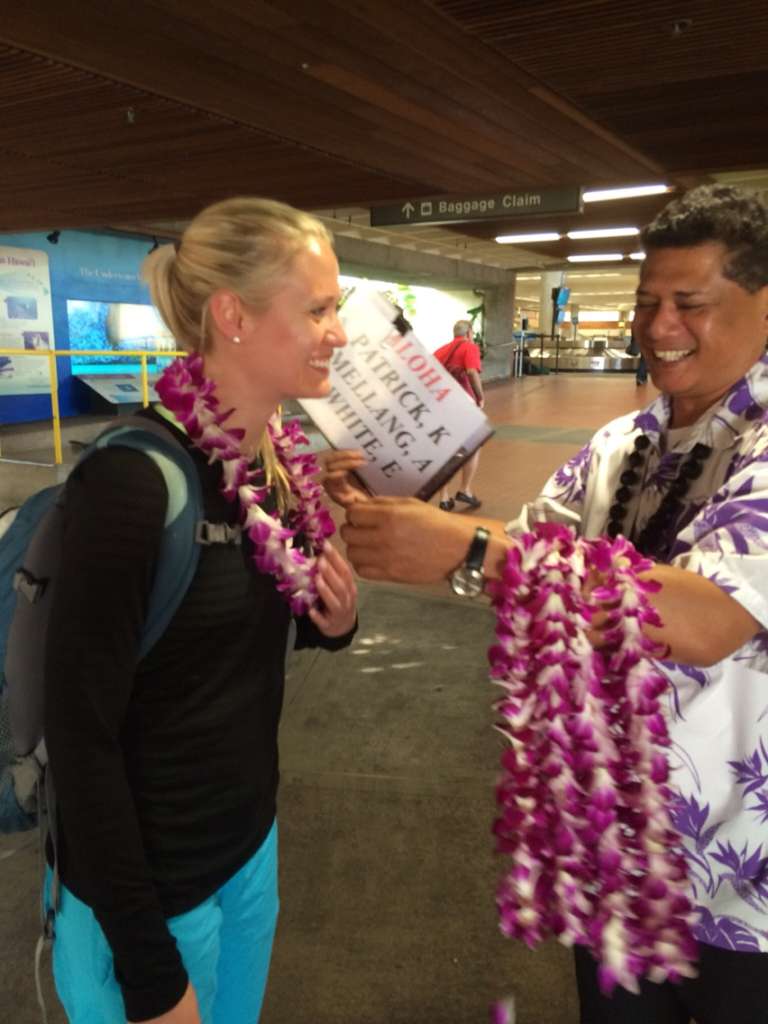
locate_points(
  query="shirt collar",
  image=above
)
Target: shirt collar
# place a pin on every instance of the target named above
(722, 424)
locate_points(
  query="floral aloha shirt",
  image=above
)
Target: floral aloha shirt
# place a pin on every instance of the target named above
(718, 716)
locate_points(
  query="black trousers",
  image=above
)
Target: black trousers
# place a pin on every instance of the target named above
(732, 988)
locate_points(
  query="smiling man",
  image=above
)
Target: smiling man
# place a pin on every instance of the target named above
(686, 480)
(700, 318)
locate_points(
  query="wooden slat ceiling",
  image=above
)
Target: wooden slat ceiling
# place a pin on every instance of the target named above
(137, 112)
(134, 109)
(684, 82)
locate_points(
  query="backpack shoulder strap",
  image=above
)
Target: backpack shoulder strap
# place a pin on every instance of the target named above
(450, 355)
(179, 549)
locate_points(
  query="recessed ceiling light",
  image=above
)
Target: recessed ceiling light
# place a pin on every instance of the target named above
(601, 257)
(637, 255)
(542, 236)
(630, 192)
(604, 233)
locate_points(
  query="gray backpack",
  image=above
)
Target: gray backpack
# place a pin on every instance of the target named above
(30, 548)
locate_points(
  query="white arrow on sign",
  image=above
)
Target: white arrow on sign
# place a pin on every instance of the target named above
(408, 209)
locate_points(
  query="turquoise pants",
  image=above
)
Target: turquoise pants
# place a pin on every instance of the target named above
(225, 944)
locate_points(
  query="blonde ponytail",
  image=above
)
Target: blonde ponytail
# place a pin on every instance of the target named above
(244, 244)
(158, 270)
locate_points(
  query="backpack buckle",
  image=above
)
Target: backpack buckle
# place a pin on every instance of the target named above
(218, 533)
(28, 586)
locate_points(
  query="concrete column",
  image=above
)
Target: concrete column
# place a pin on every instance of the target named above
(624, 312)
(574, 320)
(549, 280)
(499, 327)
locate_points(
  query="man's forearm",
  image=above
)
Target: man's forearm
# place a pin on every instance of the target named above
(701, 623)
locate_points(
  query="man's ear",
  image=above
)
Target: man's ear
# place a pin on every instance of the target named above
(225, 309)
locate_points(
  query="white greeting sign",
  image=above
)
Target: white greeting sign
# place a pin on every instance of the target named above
(391, 398)
(26, 320)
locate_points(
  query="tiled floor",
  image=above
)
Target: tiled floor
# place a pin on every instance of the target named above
(540, 422)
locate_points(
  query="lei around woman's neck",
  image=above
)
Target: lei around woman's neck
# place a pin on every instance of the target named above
(190, 397)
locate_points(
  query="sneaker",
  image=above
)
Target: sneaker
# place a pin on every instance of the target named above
(468, 499)
(447, 505)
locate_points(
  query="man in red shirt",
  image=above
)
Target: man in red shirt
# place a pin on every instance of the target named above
(461, 357)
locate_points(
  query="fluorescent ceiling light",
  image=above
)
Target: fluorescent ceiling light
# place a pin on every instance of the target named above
(604, 233)
(637, 255)
(542, 236)
(631, 192)
(606, 315)
(601, 257)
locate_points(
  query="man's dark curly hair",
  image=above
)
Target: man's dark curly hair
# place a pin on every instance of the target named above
(717, 213)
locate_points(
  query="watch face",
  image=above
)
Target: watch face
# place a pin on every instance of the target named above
(467, 582)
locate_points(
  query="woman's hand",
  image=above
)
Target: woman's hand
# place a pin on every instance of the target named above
(336, 613)
(338, 481)
(186, 1011)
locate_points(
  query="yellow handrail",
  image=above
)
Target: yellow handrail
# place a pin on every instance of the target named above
(53, 354)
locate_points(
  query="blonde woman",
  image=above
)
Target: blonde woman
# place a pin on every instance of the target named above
(166, 766)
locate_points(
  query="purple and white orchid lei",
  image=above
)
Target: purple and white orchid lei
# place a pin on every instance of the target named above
(186, 392)
(584, 804)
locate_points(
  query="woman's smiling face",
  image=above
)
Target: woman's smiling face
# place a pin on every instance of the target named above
(699, 331)
(288, 346)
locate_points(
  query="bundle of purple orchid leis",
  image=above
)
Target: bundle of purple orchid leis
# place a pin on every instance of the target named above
(190, 396)
(583, 797)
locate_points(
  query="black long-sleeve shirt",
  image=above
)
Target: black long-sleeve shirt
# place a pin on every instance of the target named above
(165, 768)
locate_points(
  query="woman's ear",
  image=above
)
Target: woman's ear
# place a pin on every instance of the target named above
(225, 309)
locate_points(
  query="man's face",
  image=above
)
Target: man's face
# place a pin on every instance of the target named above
(699, 331)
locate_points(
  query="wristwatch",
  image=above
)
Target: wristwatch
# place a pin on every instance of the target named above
(468, 579)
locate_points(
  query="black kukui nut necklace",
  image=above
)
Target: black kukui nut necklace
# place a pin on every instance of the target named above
(655, 535)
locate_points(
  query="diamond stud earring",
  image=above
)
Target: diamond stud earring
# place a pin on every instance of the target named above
(236, 339)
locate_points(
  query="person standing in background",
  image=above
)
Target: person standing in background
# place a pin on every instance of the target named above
(461, 357)
(641, 370)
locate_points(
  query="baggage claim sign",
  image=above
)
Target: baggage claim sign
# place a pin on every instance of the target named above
(498, 206)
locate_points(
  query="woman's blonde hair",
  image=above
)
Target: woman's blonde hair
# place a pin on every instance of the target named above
(243, 244)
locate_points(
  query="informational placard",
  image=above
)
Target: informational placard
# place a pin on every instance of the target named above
(393, 400)
(26, 320)
(118, 388)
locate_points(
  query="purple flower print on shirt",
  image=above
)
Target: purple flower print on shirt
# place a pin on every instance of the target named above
(647, 423)
(761, 807)
(757, 453)
(759, 643)
(725, 932)
(746, 872)
(691, 821)
(571, 477)
(689, 818)
(741, 518)
(697, 674)
(725, 583)
(752, 772)
(742, 402)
